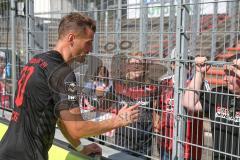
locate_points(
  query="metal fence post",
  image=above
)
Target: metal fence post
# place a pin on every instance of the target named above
(214, 30)
(181, 49)
(118, 26)
(26, 30)
(94, 10)
(45, 37)
(13, 38)
(106, 25)
(161, 29)
(143, 26)
(195, 30)
(29, 28)
(233, 8)
(171, 27)
(101, 9)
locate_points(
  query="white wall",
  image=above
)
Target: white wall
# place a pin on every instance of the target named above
(40, 7)
(52, 8)
(154, 10)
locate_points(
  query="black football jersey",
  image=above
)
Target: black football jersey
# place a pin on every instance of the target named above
(46, 86)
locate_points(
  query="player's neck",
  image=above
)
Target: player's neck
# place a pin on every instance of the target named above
(63, 50)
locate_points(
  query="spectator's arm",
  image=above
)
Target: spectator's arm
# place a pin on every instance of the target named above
(191, 97)
(236, 62)
(235, 67)
(156, 116)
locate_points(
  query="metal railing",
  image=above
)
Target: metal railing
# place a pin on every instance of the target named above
(161, 38)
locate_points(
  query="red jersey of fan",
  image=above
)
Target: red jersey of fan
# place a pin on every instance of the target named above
(194, 127)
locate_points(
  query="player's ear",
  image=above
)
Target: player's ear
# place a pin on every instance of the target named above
(70, 38)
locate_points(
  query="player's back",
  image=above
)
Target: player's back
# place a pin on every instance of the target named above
(32, 126)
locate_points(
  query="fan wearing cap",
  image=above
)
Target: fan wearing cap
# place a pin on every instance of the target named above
(163, 118)
(130, 85)
(222, 105)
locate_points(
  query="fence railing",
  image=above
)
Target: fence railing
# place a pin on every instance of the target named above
(159, 48)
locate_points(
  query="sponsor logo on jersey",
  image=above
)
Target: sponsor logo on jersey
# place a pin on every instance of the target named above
(228, 114)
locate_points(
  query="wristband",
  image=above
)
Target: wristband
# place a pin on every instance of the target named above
(80, 147)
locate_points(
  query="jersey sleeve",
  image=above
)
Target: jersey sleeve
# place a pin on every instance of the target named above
(62, 82)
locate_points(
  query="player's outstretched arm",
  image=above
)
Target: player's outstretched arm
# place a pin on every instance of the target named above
(78, 128)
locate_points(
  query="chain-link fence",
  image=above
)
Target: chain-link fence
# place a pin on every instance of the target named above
(144, 53)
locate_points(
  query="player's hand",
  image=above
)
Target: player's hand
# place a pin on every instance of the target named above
(92, 149)
(128, 115)
(201, 66)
